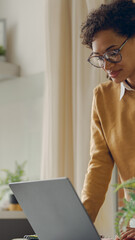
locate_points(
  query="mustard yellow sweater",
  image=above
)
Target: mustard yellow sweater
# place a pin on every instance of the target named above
(112, 141)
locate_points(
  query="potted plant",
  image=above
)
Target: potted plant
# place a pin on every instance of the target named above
(9, 176)
(126, 213)
(2, 54)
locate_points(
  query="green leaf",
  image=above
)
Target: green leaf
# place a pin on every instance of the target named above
(126, 212)
(2, 51)
(129, 184)
(16, 176)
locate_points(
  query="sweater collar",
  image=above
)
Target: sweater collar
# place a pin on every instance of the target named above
(124, 86)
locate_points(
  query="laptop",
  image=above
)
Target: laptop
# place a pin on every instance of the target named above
(54, 210)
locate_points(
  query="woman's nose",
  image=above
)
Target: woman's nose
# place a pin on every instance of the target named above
(107, 65)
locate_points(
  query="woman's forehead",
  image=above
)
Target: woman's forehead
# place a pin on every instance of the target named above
(105, 40)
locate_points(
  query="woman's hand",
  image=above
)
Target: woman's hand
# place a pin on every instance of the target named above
(128, 234)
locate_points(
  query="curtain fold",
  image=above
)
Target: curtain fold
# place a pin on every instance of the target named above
(69, 87)
(57, 145)
(68, 91)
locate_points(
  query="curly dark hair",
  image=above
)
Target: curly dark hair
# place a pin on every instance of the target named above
(119, 16)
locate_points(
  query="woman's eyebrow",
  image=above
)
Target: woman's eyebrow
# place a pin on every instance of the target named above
(110, 47)
(105, 49)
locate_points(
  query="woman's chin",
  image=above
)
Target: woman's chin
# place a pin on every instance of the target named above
(117, 80)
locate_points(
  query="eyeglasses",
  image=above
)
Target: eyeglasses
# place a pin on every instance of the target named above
(113, 56)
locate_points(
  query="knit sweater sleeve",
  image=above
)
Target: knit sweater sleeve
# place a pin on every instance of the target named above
(100, 167)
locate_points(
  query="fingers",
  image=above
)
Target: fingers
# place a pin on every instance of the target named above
(128, 234)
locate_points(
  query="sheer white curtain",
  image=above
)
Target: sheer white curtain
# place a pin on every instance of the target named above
(68, 92)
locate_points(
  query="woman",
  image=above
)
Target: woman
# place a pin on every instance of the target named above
(109, 32)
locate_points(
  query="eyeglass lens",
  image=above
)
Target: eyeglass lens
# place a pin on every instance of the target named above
(113, 56)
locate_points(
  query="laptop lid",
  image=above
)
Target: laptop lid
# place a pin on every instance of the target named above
(54, 210)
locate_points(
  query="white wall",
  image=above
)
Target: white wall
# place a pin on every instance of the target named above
(21, 123)
(25, 21)
(21, 99)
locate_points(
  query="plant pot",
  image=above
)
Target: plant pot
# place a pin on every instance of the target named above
(13, 203)
(12, 199)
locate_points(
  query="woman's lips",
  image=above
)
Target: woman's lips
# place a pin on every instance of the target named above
(114, 74)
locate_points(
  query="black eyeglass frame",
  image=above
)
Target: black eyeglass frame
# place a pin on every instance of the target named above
(117, 51)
